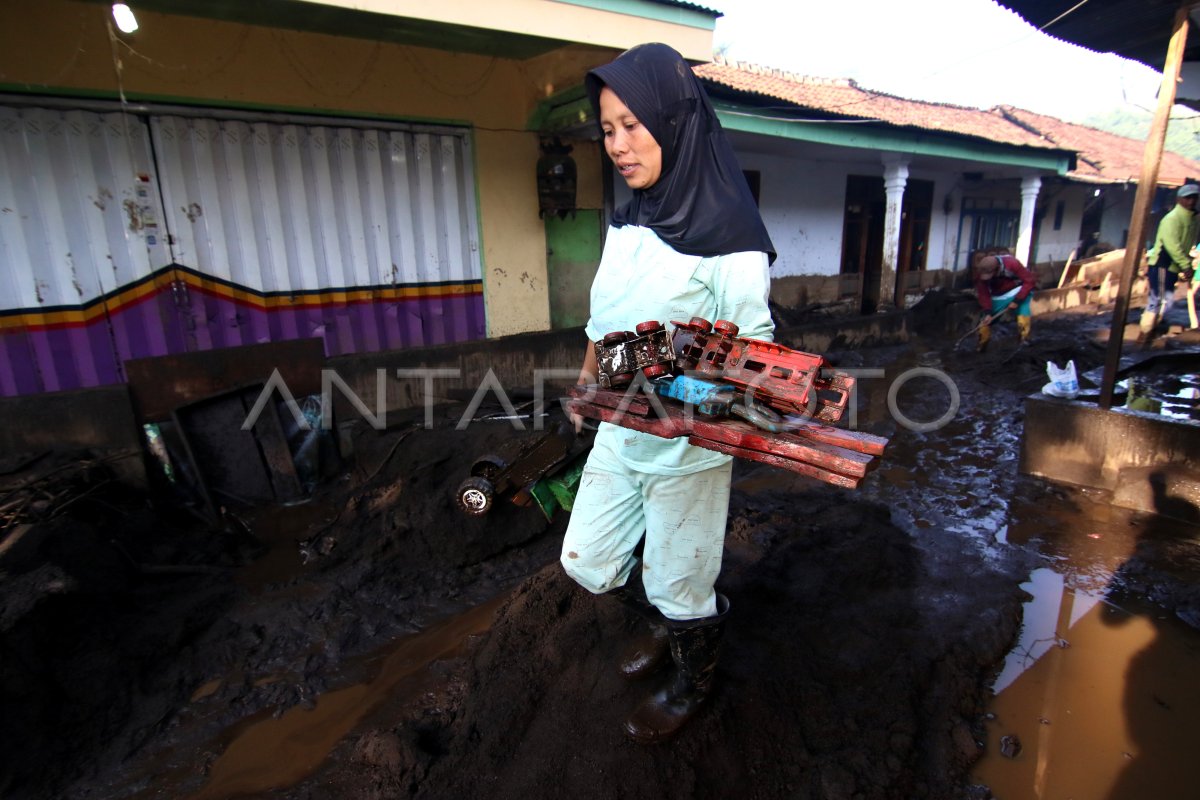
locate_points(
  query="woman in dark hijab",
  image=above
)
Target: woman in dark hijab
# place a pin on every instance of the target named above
(702, 205)
(689, 243)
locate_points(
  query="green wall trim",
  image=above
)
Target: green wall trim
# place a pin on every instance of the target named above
(555, 107)
(693, 18)
(568, 115)
(217, 104)
(872, 137)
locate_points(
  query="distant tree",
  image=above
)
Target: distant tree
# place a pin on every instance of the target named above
(1183, 131)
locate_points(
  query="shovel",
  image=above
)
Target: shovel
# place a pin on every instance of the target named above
(981, 324)
(1191, 293)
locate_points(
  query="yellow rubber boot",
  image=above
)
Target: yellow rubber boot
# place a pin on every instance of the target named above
(1024, 326)
(985, 336)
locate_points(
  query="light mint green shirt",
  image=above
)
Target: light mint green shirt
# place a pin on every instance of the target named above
(642, 278)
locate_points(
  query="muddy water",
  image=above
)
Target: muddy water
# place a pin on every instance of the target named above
(1104, 707)
(284, 531)
(266, 753)
(1098, 699)
(1100, 690)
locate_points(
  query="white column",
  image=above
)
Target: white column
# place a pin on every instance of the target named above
(895, 178)
(1030, 185)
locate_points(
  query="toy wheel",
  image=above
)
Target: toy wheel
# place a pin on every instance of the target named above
(616, 337)
(654, 371)
(622, 380)
(475, 496)
(488, 466)
(726, 328)
(648, 327)
(702, 324)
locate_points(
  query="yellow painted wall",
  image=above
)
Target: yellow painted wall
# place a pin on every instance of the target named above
(63, 47)
(550, 19)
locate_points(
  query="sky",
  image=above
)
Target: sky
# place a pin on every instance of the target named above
(966, 52)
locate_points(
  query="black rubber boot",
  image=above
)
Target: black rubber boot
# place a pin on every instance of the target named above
(648, 651)
(695, 648)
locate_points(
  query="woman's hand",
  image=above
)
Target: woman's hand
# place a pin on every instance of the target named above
(587, 375)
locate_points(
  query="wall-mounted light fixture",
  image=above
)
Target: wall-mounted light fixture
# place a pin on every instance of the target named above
(123, 16)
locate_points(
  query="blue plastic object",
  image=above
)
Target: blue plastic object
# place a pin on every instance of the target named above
(710, 399)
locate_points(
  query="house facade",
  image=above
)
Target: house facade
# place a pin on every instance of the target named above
(386, 175)
(234, 173)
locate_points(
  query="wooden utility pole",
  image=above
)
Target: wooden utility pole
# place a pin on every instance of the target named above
(1141, 201)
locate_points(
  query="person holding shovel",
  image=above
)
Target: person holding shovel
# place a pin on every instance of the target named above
(1193, 288)
(1003, 282)
(689, 243)
(1177, 233)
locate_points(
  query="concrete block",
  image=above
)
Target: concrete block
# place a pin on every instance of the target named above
(1171, 491)
(98, 420)
(1147, 461)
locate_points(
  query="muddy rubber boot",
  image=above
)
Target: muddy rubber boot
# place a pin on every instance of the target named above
(1024, 327)
(648, 651)
(985, 336)
(695, 648)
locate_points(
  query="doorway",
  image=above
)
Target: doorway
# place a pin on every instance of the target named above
(862, 240)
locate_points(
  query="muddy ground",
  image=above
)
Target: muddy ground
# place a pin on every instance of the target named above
(376, 643)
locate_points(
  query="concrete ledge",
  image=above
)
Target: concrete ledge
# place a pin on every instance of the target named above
(847, 333)
(97, 420)
(1146, 460)
(103, 419)
(519, 362)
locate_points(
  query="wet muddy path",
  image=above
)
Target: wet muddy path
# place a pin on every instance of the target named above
(384, 645)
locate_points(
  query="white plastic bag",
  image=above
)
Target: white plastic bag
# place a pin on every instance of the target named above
(1063, 382)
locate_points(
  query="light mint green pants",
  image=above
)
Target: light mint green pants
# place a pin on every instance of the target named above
(683, 518)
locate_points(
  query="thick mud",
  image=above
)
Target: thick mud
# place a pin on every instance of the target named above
(376, 642)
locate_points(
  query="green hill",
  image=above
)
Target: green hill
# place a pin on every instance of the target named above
(1183, 131)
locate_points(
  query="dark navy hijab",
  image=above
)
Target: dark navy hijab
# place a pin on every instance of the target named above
(701, 204)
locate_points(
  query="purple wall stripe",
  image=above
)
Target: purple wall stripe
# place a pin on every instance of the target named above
(57, 359)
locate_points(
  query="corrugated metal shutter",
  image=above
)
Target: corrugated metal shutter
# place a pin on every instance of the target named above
(330, 216)
(256, 228)
(79, 218)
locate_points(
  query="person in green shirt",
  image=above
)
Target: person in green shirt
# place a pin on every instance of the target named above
(1177, 234)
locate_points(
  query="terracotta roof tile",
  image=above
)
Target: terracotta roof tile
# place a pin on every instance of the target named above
(844, 98)
(1104, 157)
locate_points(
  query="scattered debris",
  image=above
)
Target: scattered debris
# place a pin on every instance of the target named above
(1010, 746)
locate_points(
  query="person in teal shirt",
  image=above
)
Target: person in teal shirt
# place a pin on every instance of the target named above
(1177, 234)
(689, 243)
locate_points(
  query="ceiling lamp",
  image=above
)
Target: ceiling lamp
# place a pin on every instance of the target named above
(123, 16)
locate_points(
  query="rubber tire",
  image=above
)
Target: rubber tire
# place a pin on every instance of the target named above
(474, 496)
(488, 466)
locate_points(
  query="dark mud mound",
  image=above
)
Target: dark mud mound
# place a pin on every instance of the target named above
(100, 599)
(133, 637)
(832, 685)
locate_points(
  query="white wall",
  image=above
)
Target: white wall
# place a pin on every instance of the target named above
(943, 227)
(802, 205)
(1056, 245)
(1118, 209)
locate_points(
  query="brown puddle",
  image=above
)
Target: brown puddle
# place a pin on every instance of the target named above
(281, 529)
(1101, 697)
(270, 753)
